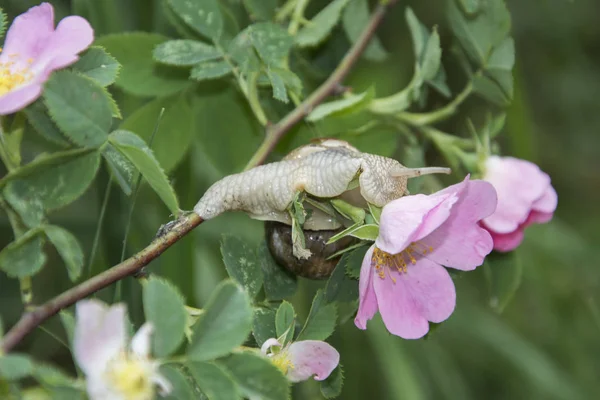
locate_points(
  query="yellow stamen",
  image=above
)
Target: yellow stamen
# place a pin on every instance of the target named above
(130, 377)
(383, 261)
(11, 77)
(282, 361)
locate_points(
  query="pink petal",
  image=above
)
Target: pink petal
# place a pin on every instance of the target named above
(460, 242)
(537, 217)
(28, 32)
(100, 334)
(141, 342)
(505, 242)
(20, 98)
(311, 357)
(424, 293)
(411, 217)
(519, 184)
(368, 301)
(548, 202)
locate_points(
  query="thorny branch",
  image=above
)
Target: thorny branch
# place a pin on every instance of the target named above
(184, 224)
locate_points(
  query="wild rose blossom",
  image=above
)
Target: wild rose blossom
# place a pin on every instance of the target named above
(33, 50)
(113, 370)
(525, 197)
(301, 360)
(402, 275)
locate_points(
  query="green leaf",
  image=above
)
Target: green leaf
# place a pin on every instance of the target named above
(340, 286)
(122, 170)
(470, 6)
(181, 383)
(332, 386)
(279, 90)
(354, 19)
(432, 57)
(242, 264)
(257, 377)
(285, 322)
(263, 325)
(321, 320)
(210, 70)
(38, 117)
(15, 366)
(54, 186)
(184, 52)
(25, 256)
(98, 65)
(164, 306)
(279, 283)
(3, 20)
(364, 232)
(351, 103)
(136, 150)
(30, 210)
(491, 91)
(80, 108)
(321, 25)
(503, 272)
(479, 34)
(214, 381)
(224, 325)
(204, 16)
(175, 129)
(68, 247)
(139, 74)
(418, 32)
(272, 43)
(68, 322)
(354, 261)
(261, 9)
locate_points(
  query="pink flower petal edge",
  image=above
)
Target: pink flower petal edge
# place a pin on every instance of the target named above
(34, 49)
(311, 358)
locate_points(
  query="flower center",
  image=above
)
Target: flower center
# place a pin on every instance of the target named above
(282, 361)
(129, 376)
(12, 77)
(385, 262)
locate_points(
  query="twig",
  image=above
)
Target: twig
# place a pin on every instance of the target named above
(184, 224)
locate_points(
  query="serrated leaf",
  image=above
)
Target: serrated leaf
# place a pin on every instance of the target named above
(175, 129)
(15, 366)
(340, 286)
(3, 21)
(354, 19)
(210, 70)
(38, 117)
(354, 261)
(332, 386)
(139, 74)
(214, 381)
(261, 9)
(263, 325)
(432, 57)
(242, 264)
(68, 247)
(271, 42)
(285, 319)
(278, 282)
(29, 209)
(257, 377)
(224, 325)
(279, 90)
(164, 306)
(503, 272)
(321, 319)
(98, 65)
(490, 90)
(182, 386)
(25, 256)
(122, 170)
(54, 181)
(184, 52)
(204, 16)
(79, 107)
(318, 28)
(136, 150)
(351, 103)
(418, 32)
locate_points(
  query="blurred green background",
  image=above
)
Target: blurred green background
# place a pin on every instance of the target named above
(543, 346)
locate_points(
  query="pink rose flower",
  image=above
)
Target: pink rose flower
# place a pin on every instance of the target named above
(33, 50)
(402, 275)
(301, 360)
(525, 196)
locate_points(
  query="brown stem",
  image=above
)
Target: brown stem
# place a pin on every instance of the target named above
(184, 224)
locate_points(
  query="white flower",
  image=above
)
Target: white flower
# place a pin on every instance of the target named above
(113, 370)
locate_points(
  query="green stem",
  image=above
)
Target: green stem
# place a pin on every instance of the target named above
(297, 16)
(285, 10)
(99, 228)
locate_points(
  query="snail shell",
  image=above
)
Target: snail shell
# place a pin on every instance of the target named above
(317, 266)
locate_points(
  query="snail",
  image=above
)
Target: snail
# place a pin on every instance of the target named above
(325, 169)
